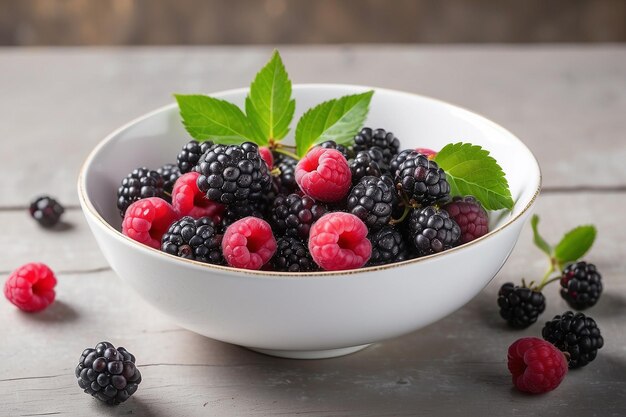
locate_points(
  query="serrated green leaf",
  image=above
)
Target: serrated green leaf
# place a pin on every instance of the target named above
(470, 170)
(209, 118)
(538, 239)
(575, 244)
(339, 120)
(269, 105)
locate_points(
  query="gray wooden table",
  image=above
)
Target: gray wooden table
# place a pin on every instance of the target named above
(567, 103)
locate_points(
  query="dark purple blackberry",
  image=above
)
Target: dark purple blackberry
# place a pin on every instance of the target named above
(576, 334)
(233, 174)
(520, 306)
(108, 374)
(294, 214)
(292, 255)
(581, 285)
(195, 239)
(331, 144)
(388, 246)
(233, 213)
(170, 174)
(386, 142)
(431, 230)
(46, 210)
(421, 180)
(397, 160)
(190, 155)
(363, 165)
(397, 205)
(141, 183)
(287, 176)
(371, 201)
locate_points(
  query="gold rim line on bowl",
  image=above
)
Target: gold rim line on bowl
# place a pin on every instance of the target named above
(86, 203)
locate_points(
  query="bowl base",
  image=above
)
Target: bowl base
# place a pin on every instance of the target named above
(310, 354)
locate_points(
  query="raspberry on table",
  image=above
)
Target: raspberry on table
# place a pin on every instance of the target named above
(147, 220)
(581, 285)
(520, 306)
(388, 246)
(107, 373)
(190, 155)
(266, 155)
(195, 239)
(576, 334)
(324, 174)
(170, 173)
(371, 201)
(141, 183)
(431, 230)
(386, 142)
(536, 365)
(46, 210)
(421, 180)
(470, 215)
(292, 255)
(287, 177)
(294, 214)
(188, 200)
(331, 144)
(248, 243)
(338, 241)
(31, 287)
(363, 165)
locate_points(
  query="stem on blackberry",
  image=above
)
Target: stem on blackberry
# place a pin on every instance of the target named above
(275, 172)
(407, 208)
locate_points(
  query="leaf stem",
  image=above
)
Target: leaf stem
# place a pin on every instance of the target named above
(401, 219)
(284, 152)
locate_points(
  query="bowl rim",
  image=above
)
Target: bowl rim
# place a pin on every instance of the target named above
(89, 209)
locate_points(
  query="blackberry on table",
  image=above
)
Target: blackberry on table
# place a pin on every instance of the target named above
(576, 334)
(581, 285)
(46, 210)
(139, 184)
(388, 246)
(107, 373)
(292, 255)
(170, 173)
(386, 142)
(331, 144)
(431, 230)
(421, 180)
(363, 165)
(190, 155)
(195, 239)
(371, 200)
(520, 306)
(294, 214)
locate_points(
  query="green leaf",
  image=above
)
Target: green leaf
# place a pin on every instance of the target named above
(209, 118)
(540, 241)
(269, 105)
(575, 244)
(471, 170)
(339, 120)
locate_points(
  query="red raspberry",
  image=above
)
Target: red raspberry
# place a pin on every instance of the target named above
(339, 241)
(324, 174)
(188, 200)
(31, 287)
(147, 220)
(470, 216)
(536, 365)
(248, 243)
(267, 156)
(430, 154)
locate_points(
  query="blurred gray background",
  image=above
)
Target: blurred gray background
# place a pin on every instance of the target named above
(206, 22)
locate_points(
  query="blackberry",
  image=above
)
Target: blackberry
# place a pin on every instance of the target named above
(294, 214)
(141, 183)
(576, 334)
(421, 180)
(287, 176)
(388, 246)
(195, 239)
(371, 200)
(331, 144)
(431, 230)
(469, 215)
(233, 213)
(46, 210)
(190, 155)
(397, 205)
(363, 165)
(397, 160)
(233, 174)
(388, 144)
(108, 374)
(581, 285)
(520, 306)
(292, 255)
(170, 174)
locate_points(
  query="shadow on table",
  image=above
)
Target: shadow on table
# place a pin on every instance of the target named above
(57, 312)
(135, 406)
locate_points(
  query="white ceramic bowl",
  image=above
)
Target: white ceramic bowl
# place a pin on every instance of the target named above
(312, 315)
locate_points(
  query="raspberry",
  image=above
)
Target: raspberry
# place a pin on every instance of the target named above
(338, 241)
(363, 165)
(190, 155)
(147, 220)
(581, 285)
(188, 200)
(385, 141)
(324, 174)
(388, 246)
(371, 201)
(520, 306)
(294, 214)
(108, 374)
(46, 211)
(141, 183)
(430, 154)
(431, 230)
(267, 156)
(331, 144)
(292, 255)
(170, 174)
(470, 216)
(233, 174)
(194, 239)
(31, 287)
(248, 243)
(536, 366)
(287, 176)
(421, 180)
(576, 334)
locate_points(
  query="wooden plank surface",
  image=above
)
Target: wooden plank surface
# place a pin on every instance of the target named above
(454, 367)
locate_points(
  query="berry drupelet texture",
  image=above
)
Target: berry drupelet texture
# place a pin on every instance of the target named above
(421, 180)
(431, 230)
(535, 365)
(233, 213)
(292, 255)
(581, 285)
(576, 334)
(371, 201)
(141, 183)
(287, 178)
(188, 200)
(170, 174)
(293, 215)
(331, 144)
(248, 243)
(31, 287)
(190, 155)
(386, 142)
(388, 246)
(46, 211)
(470, 216)
(147, 220)
(363, 165)
(324, 174)
(195, 239)
(520, 306)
